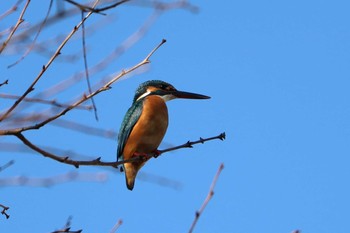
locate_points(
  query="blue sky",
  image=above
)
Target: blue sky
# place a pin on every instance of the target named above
(278, 74)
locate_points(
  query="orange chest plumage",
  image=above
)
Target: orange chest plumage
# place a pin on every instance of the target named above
(150, 129)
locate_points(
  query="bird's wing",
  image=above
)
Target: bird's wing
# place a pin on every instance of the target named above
(130, 119)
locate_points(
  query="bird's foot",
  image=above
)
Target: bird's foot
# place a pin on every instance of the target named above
(142, 156)
(156, 153)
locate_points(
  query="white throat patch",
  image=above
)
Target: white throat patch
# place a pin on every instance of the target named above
(167, 97)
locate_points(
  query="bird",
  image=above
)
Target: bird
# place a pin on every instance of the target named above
(145, 124)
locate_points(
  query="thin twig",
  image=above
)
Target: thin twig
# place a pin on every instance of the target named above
(11, 10)
(207, 199)
(97, 161)
(95, 10)
(84, 98)
(67, 230)
(116, 226)
(6, 165)
(190, 144)
(4, 83)
(86, 66)
(29, 49)
(53, 180)
(19, 21)
(45, 67)
(43, 101)
(67, 226)
(4, 209)
(117, 52)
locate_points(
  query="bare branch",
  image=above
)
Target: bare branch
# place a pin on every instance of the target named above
(4, 83)
(44, 101)
(116, 226)
(190, 144)
(107, 86)
(67, 230)
(207, 199)
(95, 10)
(53, 180)
(29, 49)
(117, 52)
(11, 10)
(97, 161)
(8, 164)
(86, 67)
(19, 21)
(67, 227)
(4, 209)
(45, 67)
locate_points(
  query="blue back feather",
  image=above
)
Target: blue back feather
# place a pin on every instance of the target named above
(130, 119)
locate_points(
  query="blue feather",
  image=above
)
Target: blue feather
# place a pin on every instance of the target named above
(130, 119)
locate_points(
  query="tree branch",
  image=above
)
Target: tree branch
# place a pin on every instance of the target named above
(43, 101)
(11, 10)
(29, 49)
(95, 10)
(66, 228)
(85, 97)
(86, 67)
(98, 162)
(116, 226)
(19, 21)
(8, 164)
(45, 67)
(4, 82)
(53, 180)
(4, 209)
(207, 199)
(190, 144)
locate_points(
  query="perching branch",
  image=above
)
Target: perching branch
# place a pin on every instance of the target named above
(190, 144)
(19, 21)
(207, 199)
(4, 209)
(98, 162)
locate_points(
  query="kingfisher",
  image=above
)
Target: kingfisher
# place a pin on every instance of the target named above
(145, 124)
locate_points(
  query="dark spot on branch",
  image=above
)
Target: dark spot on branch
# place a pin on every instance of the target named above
(197, 214)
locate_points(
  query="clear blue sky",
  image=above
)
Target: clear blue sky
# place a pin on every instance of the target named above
(278, 74)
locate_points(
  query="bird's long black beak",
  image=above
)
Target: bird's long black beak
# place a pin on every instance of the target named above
(189, 95)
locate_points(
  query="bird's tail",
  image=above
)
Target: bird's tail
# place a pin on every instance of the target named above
(131, 170)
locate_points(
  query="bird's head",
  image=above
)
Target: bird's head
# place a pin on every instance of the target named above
(164, 90)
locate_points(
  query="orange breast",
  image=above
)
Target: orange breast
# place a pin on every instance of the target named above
(150, 129)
